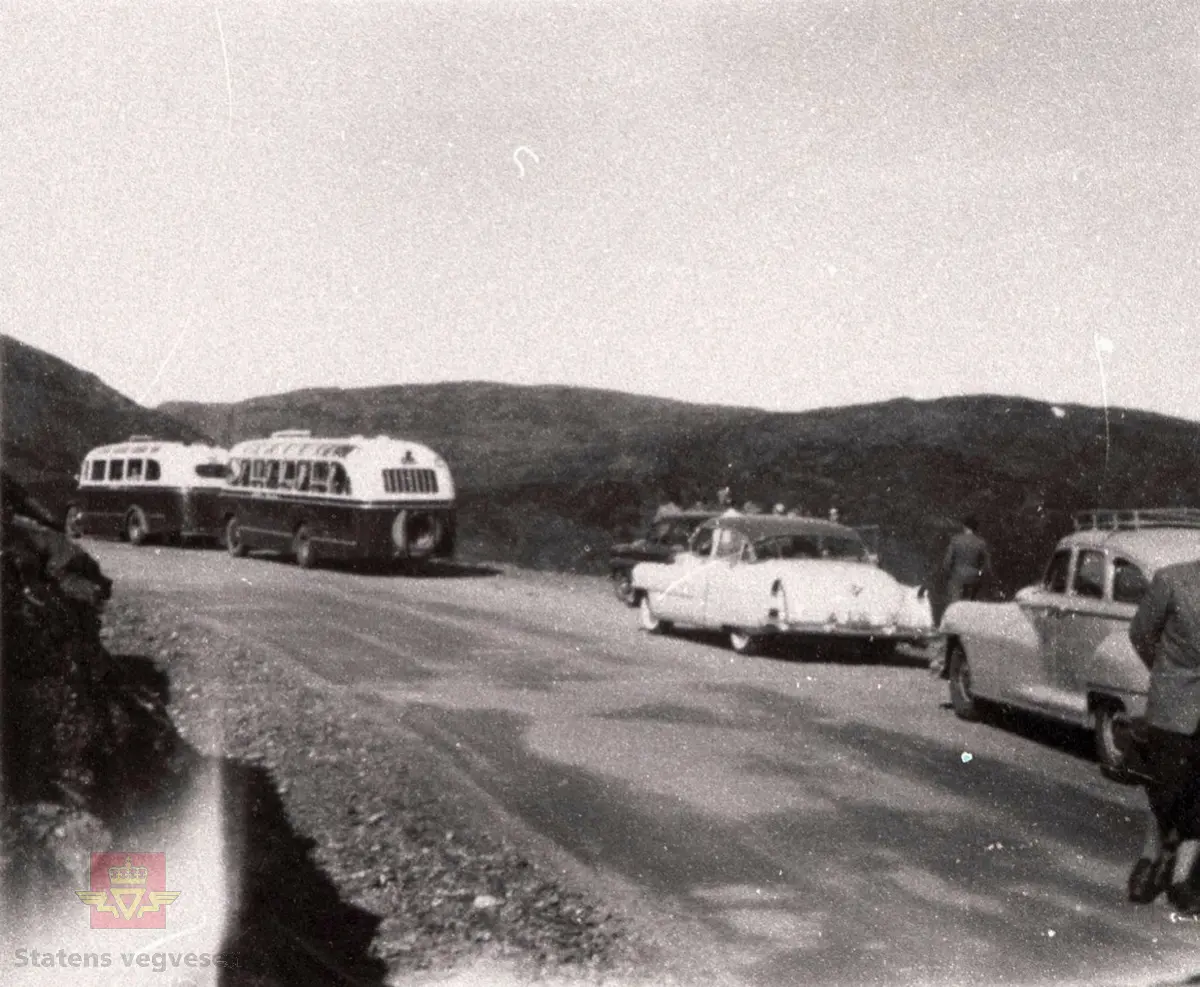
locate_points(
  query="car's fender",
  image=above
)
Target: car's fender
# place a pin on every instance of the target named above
(1001, 644)
(1114, 669)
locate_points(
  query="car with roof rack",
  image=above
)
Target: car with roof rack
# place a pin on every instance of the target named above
(1060, 649)
(759, 576)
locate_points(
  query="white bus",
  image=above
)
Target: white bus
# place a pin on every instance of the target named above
(147, 488)
(355, 498)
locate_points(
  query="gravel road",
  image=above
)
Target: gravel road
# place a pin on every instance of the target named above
(793, 818)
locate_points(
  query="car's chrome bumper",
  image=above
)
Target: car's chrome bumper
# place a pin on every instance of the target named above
(877, 632)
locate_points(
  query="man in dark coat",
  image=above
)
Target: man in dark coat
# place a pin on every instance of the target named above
(966, 562)
(1165, 633)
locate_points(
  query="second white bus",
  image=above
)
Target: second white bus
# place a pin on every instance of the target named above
(146, 488)
(356, 498)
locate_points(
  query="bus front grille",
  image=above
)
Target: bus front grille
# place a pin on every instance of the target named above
(407, 480)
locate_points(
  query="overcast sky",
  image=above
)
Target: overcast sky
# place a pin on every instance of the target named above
(785, 205)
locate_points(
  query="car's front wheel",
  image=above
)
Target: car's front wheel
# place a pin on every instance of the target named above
(622, 580)
(966, 707)
(649, 620)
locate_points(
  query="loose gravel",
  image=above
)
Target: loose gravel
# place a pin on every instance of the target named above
(393, 837)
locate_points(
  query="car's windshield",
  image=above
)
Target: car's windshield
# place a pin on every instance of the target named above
(809, 547)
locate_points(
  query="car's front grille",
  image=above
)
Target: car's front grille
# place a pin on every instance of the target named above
(406, 480)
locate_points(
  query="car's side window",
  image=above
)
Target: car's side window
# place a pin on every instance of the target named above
(702, 541)
(1089, 575)
(1129, 582)
(1055, 579)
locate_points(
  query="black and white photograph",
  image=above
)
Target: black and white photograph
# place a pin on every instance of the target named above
(699, 493)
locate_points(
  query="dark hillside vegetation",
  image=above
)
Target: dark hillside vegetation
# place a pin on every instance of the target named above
(54, 413)
(550, 476)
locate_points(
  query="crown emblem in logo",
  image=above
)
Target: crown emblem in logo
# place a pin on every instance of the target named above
(128, 875)
(128, 891)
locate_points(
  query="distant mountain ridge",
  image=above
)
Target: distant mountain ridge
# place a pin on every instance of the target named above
(550, 476)
(54, 413)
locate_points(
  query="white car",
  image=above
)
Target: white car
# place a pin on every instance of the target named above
(1061, 648)
(757, 576)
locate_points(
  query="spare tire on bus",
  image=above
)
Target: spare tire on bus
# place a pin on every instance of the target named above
(417, 534)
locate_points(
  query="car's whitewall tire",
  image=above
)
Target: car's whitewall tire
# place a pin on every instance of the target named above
(648, 620)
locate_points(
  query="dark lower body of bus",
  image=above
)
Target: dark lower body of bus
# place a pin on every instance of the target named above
(312, 530)
(144, 513)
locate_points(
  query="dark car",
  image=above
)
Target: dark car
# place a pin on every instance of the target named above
(668, 534)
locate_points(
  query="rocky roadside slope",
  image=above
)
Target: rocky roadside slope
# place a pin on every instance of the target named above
(392, 841)
(355, 862)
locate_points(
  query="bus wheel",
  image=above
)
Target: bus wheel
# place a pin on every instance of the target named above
(73, 525)
(136, 528)
(303, 549)
(234, 544)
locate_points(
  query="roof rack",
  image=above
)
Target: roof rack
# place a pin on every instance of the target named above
(292, 433)
(1135, 518)
(140, 438)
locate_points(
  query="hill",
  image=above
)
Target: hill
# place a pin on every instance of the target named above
(53, 413)
(551, 475)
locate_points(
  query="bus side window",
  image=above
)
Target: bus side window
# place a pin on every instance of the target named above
(134, 473)
(116, 469)
(339, 483)
(302, 474)
(273, 474)
(153, 470)
(320, 477)
(288, 480)
(258, 473)
(98, 466)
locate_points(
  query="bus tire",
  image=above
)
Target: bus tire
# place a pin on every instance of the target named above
(303, 549)
(234, 544)
(73, 524)
(137, 530)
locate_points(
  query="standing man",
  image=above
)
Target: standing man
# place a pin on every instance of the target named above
(966, 562)
(1165, 633)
